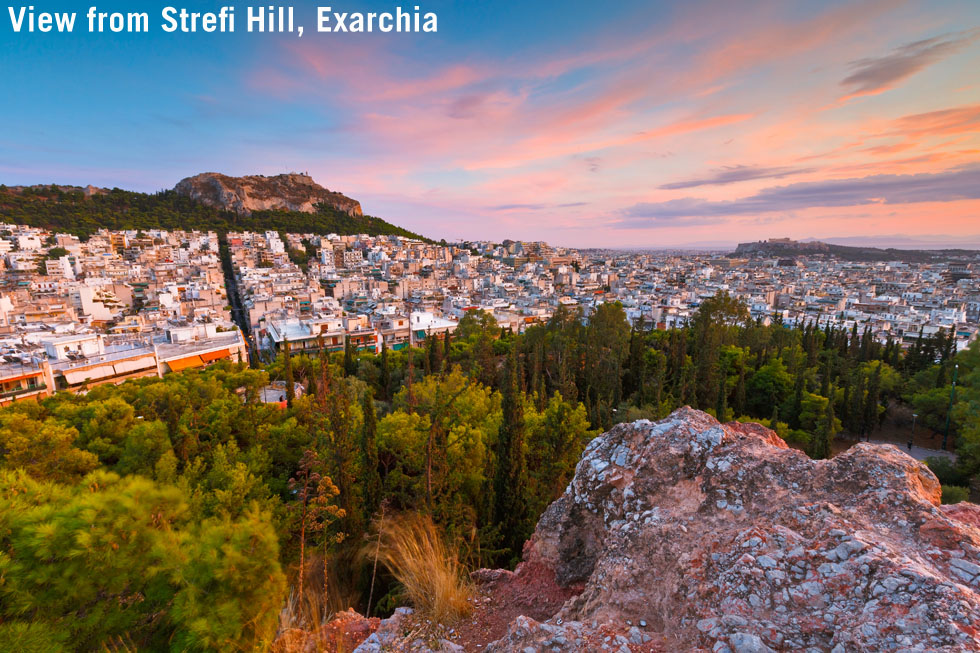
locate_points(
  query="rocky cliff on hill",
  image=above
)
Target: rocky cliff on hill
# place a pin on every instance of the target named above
(690, 535)
(286, 192)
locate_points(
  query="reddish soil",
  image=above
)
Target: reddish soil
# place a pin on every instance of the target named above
(344, 632)
(503, 596)
(531, 591)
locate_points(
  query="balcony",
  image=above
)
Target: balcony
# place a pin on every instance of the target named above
(8, 394)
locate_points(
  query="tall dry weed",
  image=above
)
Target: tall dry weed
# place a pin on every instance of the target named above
(434, 581)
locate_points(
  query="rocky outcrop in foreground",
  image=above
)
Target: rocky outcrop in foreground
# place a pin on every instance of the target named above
(720, 537)
(686, 534)
(287, 192)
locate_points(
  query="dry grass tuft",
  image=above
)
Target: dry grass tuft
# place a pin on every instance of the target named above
(433, 579)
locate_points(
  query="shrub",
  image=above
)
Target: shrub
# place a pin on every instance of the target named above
(955, 493)
(947, 471)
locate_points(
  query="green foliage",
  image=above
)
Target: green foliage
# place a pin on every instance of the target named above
(556, 439)
(32, 637)
(769, 387)
(119, 209)
(947, 471)
(510, 509)
(45, 450)
(821, 443)
(233, 586)
(955, 494)
(487, 434)
(115, 556)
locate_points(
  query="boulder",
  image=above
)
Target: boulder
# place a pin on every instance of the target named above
(720, 537)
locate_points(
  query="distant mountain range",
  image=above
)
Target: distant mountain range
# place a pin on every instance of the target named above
(289, 202)
(901, 241)
(785, 247)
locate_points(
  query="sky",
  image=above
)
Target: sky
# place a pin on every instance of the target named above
(585, 124)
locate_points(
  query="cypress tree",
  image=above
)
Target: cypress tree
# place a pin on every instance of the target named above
(385, 380)
(510, 482)
(350, 362)
(870, 417)
(825, 376)
(369, 455)
(721, 407)
(740, 390)
(433, 354)
(411, 379)
(288, 373)
(855, 412)
(822, 441)
(865, 344)
(798, 388)
(855, 342)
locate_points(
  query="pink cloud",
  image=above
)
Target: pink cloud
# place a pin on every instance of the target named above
(459, 136)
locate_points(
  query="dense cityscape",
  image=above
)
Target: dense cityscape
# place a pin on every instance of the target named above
(124, 304)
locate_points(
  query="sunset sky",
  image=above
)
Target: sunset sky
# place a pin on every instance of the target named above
(634, 124)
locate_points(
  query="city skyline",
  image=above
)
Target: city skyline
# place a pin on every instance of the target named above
(645, 125)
